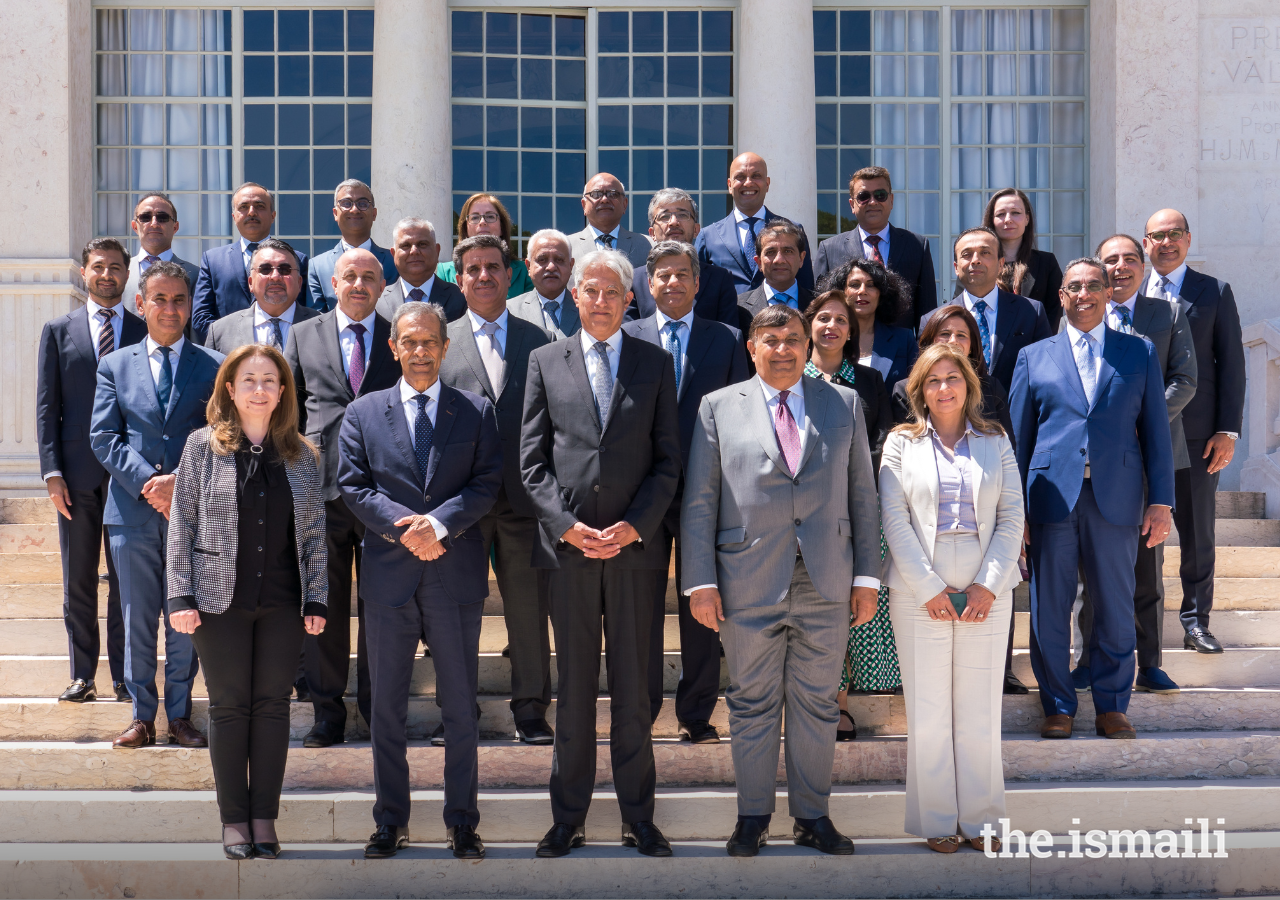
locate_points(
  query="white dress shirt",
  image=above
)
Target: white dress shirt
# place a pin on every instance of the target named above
(262, 324)
(614, 343)
(1099, 335)
(477, 326)
(347, 338)
(596, 232)
(882, 248)
(1174, 290)
(95, 321)
(745, 241)
(957, 483)
(990, 314)
(682, 334)
(367, 245)
(409, 403)
(565, 299)
(154, 356)
(244, 250)
(1113, 315)
(425, 287)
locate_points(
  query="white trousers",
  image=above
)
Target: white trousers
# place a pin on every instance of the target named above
(952, 679)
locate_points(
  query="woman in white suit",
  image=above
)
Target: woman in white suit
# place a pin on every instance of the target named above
(951, 501)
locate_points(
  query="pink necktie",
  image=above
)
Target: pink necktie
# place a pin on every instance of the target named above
(784, 426)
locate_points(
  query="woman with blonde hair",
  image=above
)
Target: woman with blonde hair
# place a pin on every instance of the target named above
(951, 504)
(246, 578)
(485, 214)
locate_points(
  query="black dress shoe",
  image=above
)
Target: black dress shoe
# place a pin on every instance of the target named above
(386, 842)
(1012, 685)
(465, 843)
(437, 736)
(748, 837)
(324, 734)
(1201, 641)
(646, 838)
(560, 840)
(506, 652)
(535, 731)
(699, 731)
(79, 691)
(822, 836)
(122, 692)
(302, 692)
(238, 851)
(265, 850)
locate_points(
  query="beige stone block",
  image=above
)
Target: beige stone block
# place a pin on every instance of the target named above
(28, 511)
(1239, 667)
(29, 538)
(1233, 562)
(31, 568)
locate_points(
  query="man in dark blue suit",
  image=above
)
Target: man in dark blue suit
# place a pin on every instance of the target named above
(355, 212)
(1089, 413)
(150, 396)
(673, 216)
(729, 242)
(707, 356)
(1006, 322)
(1211, 419)
(223, 284)
(421, 463)
(70, 347)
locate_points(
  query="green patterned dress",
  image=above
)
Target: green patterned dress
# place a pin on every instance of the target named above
(871, 658)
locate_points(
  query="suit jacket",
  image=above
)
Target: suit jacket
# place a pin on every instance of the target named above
(381, 484)
(717, 299)
(132, 436)
(995, 405)
(1019, 323)
(898, 345)
(236, 330)
(320, 274)
(1218, 404)
(315, 356)
(131, 286)
(528, 306)
(464, 369)
(744, 512)
(222, 287)
(718, 245)
(1126, 432)
(576, 472)
(909, 510)
(909, 256)
(443, 292)
(632, 245)
(753, 301)
(1043, 284)
(67, 378)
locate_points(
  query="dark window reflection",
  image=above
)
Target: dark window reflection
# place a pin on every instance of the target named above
(502, 125)
(327, 76)
(535, 127)
(468, 32)
(501, 72)
(359, 123)
(535, 171)
(500, 36)
(682, 125)
(571, 172)
(327, 170)
(295, 76)
(613, 37)
(327, 31)
(571, 36)
(614, 127)
(717, 76)
(295, 123)
(503, 171)
(571, 129)
(360, 31)
(468, 125)
(855, 76)
(614, 74)
(535, 35)
(468, 170)
(260, 166)
(646, 125)
(259, 123)
(259, 30)
(468, 76)
(295, 212)
(855, 29)
(295, 175)
(648, 32)
(259, 76)
(682, 32)
(717, 31)
(535, 79)
(327, 121)
(682, 76)
(359, 76)
(682, 169)
(717, 124)
(647, 74)
(571, 79)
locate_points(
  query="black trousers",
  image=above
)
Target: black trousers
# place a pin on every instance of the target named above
(249, 663)
(81, 541)
(1195, 495)
(329, 653)
(1148, 606)
(699, 685)
(588, 603)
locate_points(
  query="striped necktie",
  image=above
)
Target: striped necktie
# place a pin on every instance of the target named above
(673, 347)
(107, 334)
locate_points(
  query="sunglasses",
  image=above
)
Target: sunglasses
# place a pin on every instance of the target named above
(879, 196)
(160, 217)
(266, 269)
(1175, 235)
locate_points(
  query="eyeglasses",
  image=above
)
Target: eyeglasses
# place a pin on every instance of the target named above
(486, 218)
(284, 269)
(600, 195)
(1092, 287)
(591, 292)
(362, 204)
(679, 215)
(1173, 234)
(879, 196)
(160, 217)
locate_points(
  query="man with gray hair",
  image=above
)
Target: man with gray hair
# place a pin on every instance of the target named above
(276, 280)
(355, 212)
(549, 304)
(416, 254)
(673, 216)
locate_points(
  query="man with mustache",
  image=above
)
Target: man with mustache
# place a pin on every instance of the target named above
(155, 222)
(604, 203)
(275, 278)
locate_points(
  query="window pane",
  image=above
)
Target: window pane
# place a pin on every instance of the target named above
(646, 125)
(682, 125)
(614, 76)
(259, 76)
(828, 168)
(891, 76)
(260, 166)
(360, 30)
(293, 30)
(924, 213)
(502, 171)
(1069, 29)
(112, 123)
(571, 129)
(966, 29)
(890, 30)
(1033, 74)
(571, 79)
(148, 170)
(295, 173)
(682, 76)
(571, 36)
(502, 125)
(468, 170)
(922, 76)
(146, 29)
(322, 221)
(111, 29)
(615, 162)
(682, 32)
(359, 165)
(682, 169)
(647, 32)
(1068, 123)
(216, 170)
(853, 159)
(468, 32)
(1033, 29)
(966, 168)
(535, 34)
(216, 29)
(295, 76)
(501, 75)
(468, 125)
(855, 30)
(922, 124)
(468, 76)
(295, 123)
(717, 31)
(259, 30)
(824, 29)
(535, 127)
(1000, 123)
(715, 170)
(327, 76)
(184, 123)
(1068, 75)
(1001, 75)
(535, 79)
(328, 124)
(500, 33)
(183, 75)
(535, 171)
(855, 76)
(1033, 167)
(146, 75)
(571, 172)
(614, 126)
(855, 123)
(295, 214)
(327, 171)
(113, 170)
(891, 123)
(1002, 29)
(614, 32)
(1068, 213)
(827, 116)
(648, 76)
(824, 75)
(215, 213)
(111, 81)
(966, 123)
(1068, 167)
(359, 123)
(922, 30)
(922, 170)
(217, 75)
(259, 123)
(327, 30)
(359, 76)
(1033, 123)
(966, 75)
(148, 123)
(647, 174)
(1000, 167)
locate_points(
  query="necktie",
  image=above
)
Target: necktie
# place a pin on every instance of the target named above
(422, 433)
(984, 330)
(250, 249)
(874, 241)
(602, 382)
(781, 299)
(784, 426)
(749, 249)
(107, 335)
(1086, 362)
(276, 338)
(551, 311)
(491, 354)
(355, 368)
(150, 261)
(164, 384)
(1166, 288)
(673, 347)
(607, 240)
(416, 294)
(1126, 320)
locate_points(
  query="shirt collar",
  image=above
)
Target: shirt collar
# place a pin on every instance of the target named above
(883, 234)
(596, 232)
(244, 243)
(176, 347)
(96, 307)
(425, 287)
(367, 245)
(739, 216)
(990, 298)
(563, 298)
(662, 320)
(163, 255)
(790, 292)
(1097, 333)
(345, 321)
(260, 316)
(614, 341)
(478, 322)
(407, 393)
(933, 432)
(771, 393)
(1176, 277)
(1129, 304)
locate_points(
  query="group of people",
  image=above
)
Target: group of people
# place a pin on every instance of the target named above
(851, 477)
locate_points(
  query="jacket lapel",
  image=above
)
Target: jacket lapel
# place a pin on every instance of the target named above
(578, 373)
(569, 322)
(700, 339)
(446, 415)
(898, 249)
(627, 362)
(1065, 360)
(756, 414)
(379, 355)
(1144, 308)
(1005, 314)
(1110, 348)
(515, 344)
(471, 353)
(78, 328)
(1193, 284)
(816, 396)
(400, 433)
(181, 375)
(333, 350)
(142, 371)
(730, 237)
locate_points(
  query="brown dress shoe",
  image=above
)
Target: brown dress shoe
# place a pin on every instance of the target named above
(138, 734)
(182, 732)
(945, 844)
(1115, 725)
(977, 844)
(1056, 727)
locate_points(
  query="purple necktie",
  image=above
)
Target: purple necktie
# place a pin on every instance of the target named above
(355, 369)
(784, 426)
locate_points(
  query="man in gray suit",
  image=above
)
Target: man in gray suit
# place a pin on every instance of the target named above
(416, 254)
(1163, 323)
(604, 203)
(275, 280)
(780, 518)
(155, 222)
(549, 304)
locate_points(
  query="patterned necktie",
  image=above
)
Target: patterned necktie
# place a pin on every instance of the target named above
(673, 347)
(1126, 320)
(874, 241)
(749, 249)
(276, 338)
(151, 261)
(602, 382)
(355, 368)
(784, 426)
(607, 240)
(551, 311)
(491, 355)
(164, 384)
(107, 335)
(1086, 362)
(1166, 288)
(422, 434)
(984, 330)
(250, 249)
(416, 294)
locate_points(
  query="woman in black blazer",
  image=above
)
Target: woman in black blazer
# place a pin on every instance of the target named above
(246, 577)
(877, 296)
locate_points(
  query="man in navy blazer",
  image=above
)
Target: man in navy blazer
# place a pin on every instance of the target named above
(222, 286)
(1089, 413)
(150, 396)
(355, 212)
(673, 216)
(707, 356)
(70, 347)
(421, 463)
(1006, 322)
(728, 243)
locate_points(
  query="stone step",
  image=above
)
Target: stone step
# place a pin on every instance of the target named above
(29, 538)
(1256, 532)
(1233, 562)
(1242, 667)
(27, 511)
(1233, 627)
(1240, 505)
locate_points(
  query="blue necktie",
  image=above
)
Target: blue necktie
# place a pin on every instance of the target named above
(1086, 362)
(673, 347)
(781, 299)
(250, 249)
(984, 330)
(1126, 320)
(750, 249)
(164, 384)
(422, 433)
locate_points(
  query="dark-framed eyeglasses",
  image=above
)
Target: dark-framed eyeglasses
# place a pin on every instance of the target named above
(1091, 287)
(486, 218)
(879, 195)
(600, 195)
(284, 270)
(1173, 234)
(362, 204)
(161, 218)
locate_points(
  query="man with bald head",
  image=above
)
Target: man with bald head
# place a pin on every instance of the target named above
(337, 357)
(604, 203)
(1212, 418)
(730, 243)
(549, 305)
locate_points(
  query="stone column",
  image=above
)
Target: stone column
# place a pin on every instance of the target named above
(412, 157)
(775, 102)
(1260, 444)
(47, 146)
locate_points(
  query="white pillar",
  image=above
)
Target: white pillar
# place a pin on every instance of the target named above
(412, 158)
(775, 102)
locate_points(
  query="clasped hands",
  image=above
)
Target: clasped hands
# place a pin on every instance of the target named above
(158, 491)
(976, 609)
(420, 538)
(600, 544)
